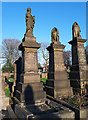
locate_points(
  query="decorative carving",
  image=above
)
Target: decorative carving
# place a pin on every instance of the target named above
(30, 21)
(54, 35)
(76, 31)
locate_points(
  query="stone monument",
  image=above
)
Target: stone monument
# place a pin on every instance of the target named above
(57, 84)
(29, 89)
(30, 100)
(79, 73)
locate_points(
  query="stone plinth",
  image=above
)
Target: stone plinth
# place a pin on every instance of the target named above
(79, 73)
(29, 89)
(57, 84)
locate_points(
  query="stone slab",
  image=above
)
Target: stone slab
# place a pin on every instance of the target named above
(11, 113)
(43, 111)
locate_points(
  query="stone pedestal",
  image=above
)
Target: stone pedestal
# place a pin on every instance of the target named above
(29, 89)
(57, 84)
(79, 73)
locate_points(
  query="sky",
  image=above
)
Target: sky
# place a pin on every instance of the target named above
(48, 15)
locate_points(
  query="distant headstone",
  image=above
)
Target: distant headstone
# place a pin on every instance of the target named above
(57, 84)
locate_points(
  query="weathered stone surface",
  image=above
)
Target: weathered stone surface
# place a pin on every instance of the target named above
(29, 96)
(78, 71)
(57, 84)
(29, 89)
(43, 111)
(30, 21)
(60, 83)
(30, 78)
(35, 86)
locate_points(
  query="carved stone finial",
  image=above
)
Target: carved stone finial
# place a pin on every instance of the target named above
(54, 35)
(76, 31)
(30, 21)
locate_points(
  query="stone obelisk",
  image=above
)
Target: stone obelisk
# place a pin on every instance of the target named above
(57, 84)
(79, 74)
(30, 90)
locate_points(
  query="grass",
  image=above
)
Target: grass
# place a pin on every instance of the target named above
(43, 80)
(7, 92)
(10, 79)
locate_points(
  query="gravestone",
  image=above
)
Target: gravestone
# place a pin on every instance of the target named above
(79, 72)
(17, 73)
(29, 89)
(57, 84)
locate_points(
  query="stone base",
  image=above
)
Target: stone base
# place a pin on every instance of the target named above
(58, 92)
(29, 92)
(46, 111)
(58, 85)
(78, 79)
(29, 97)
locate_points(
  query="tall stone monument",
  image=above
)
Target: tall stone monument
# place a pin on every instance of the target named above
(57, 84)
(79, 75)
(29, 89)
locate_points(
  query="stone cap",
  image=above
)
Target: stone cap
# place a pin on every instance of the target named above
(29, 44)
(27, 39)
(55, 46)
(77, 40)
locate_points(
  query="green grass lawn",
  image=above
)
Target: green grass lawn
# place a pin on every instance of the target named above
(43, 80)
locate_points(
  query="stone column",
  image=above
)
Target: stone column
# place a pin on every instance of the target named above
(57, 84)
(79, 75)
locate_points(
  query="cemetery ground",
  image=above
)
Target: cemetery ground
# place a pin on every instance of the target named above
(75, 102)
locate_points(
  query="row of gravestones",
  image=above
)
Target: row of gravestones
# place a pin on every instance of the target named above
(27, 87)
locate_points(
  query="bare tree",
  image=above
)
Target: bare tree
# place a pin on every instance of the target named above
(67, 57)
(10, 50)
(44, 54)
